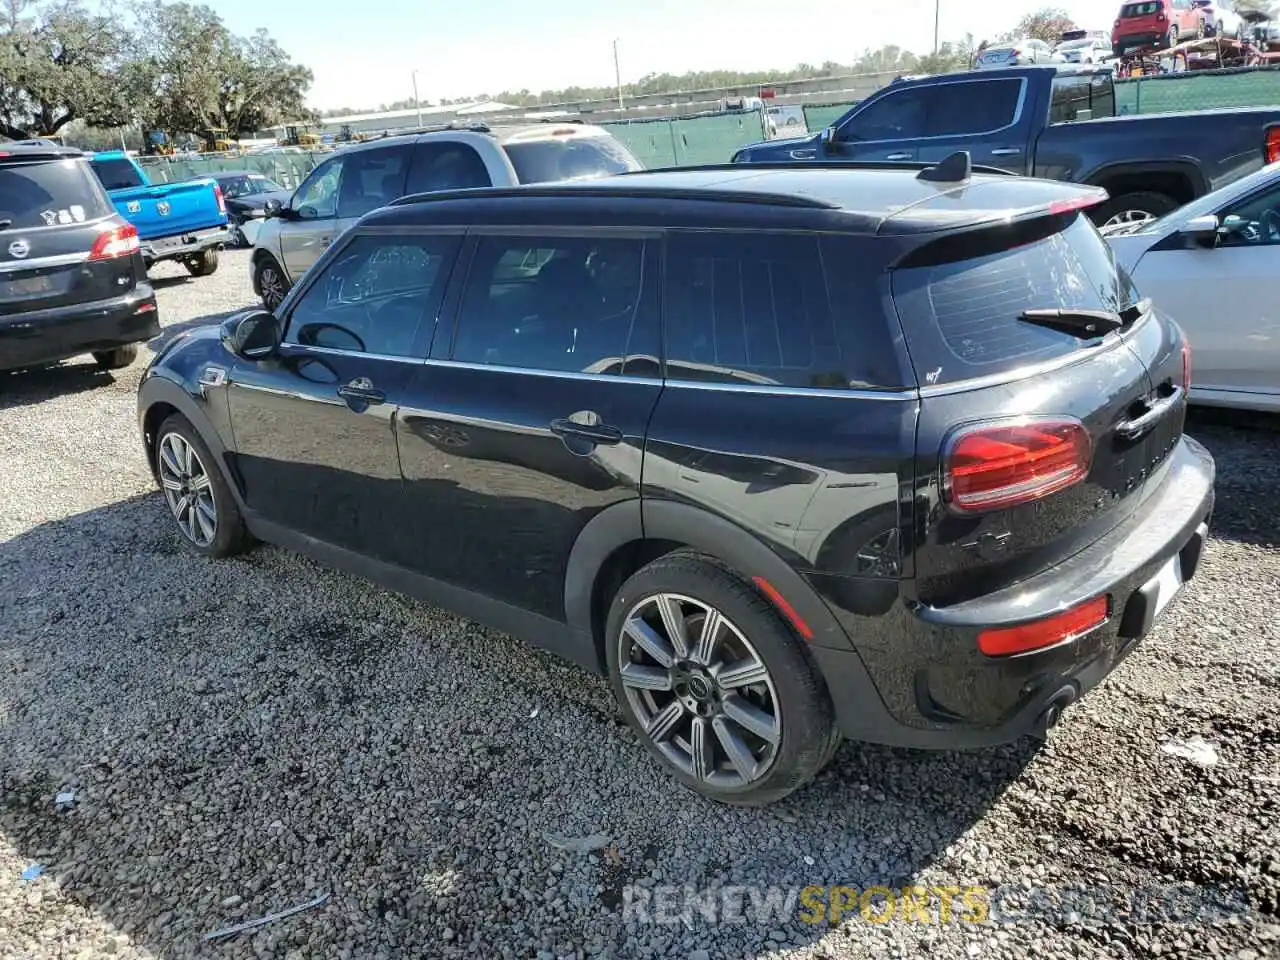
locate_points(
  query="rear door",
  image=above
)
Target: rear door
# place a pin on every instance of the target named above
(986, 116)
(51, 212)
(979, 365)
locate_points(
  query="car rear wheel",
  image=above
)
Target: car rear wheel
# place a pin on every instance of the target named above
(1137, 207)
(116, 359)
(203, 263)
(270, 282)
(1173, 37)
(196, 492)
(715, 683)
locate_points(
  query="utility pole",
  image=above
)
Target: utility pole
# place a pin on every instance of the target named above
(937, 9)
(617, 74)
(416, 102)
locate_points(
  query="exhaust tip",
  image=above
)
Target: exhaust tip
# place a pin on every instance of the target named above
(1053, 712)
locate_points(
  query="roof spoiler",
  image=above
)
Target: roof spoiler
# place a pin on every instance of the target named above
(956, 168)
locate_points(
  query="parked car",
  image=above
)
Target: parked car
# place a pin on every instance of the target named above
(245, 193)
(1153, 24)
(1031, 120)
(185, 221)
(1016, 53)
(938, 531)
(1084, 50)
(1220, 19)
(72, 279)
(1212, 265)
(368, 175)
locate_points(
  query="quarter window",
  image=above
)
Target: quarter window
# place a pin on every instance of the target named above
(750, 309)
(554, 303)
(372, 297)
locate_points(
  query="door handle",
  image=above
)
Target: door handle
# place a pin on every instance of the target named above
(362, 389)
(595, 433)
(898, 156)
(1006, 152)
(1132, 429)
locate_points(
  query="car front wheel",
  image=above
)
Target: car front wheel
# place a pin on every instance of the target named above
(270, 282)
(195, 491)
(715, 683)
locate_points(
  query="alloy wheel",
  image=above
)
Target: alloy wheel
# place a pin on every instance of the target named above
(700, 690)
(1129, 217)
(272, 285)
(187, 489)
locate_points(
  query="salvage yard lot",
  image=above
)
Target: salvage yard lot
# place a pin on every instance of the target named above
(243, 736)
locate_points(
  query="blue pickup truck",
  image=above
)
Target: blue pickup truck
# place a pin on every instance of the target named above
(184, 221)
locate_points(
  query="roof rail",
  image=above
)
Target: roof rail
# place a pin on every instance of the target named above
(29, 149)
(664, 193)
(474, 127)
(814, 165)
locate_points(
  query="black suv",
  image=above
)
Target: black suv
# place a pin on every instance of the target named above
(790, 454)
(72, 278)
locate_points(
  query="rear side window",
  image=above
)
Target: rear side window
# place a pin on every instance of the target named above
(573, 158)
(371, 179)
(1074, 93)
(758, 309)
(961, 109)
(117, 174)
(961, 315)
(446, 166)
(49, 192)
(1141, 9)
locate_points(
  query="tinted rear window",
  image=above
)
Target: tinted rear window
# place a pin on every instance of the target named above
(546, 161)
(961, 316)
(49, 192)
(117, 174)
(1140, 9)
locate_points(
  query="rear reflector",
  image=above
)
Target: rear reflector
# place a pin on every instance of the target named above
(995, 466)
(1273, 144)
(117, 242)
(788, 611)
(1048, 632)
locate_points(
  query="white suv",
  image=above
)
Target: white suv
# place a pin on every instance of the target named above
(369, 175)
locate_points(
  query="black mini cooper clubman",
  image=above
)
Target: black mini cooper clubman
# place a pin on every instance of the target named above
(790, 453)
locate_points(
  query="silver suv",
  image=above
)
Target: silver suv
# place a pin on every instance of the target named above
(370, 175)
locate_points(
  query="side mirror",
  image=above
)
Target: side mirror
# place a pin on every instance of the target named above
(253, 336)
(1202, 230)
(272, 208)
(1232, 223)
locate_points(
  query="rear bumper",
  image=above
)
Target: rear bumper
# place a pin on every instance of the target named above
(1133, 41)
(940, 691)
(183, 245)
(46, 336)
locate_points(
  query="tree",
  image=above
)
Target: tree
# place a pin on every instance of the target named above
(58, 63)
(1047, 24)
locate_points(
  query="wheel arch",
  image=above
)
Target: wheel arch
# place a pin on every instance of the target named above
(1180, 179)
(158, 399)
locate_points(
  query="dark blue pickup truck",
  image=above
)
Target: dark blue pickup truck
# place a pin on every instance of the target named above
(1053, 122)
(184, 221)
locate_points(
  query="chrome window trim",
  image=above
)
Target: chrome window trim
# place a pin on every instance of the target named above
(1017, 113)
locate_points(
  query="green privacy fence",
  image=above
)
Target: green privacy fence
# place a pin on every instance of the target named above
(690, 140)
(713, 138)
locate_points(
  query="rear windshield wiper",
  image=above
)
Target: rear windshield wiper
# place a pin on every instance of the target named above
(1078, 323)
(5, 224)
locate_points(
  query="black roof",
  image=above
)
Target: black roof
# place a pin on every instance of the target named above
(875, 199)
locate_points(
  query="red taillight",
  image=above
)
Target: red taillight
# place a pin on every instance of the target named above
(1273, 145)
(117, 242)
(1077, 203)
(994, 466)
(1061, 627)
(1186, 365)
(217, 195)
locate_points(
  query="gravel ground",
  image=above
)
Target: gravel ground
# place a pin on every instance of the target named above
(247, 735)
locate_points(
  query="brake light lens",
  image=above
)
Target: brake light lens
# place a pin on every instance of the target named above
(996, 466)
(217, 195)
(1069, 204)
(1049, 632)
(116, 242)
(1273, 145)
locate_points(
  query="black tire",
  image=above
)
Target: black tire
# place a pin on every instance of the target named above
(236, 226)
(230, 534)
(1171, 41)
(264, 269)
(1200, 31)
(203, 263)
(1146, 201)
(808, 736)
(116, 359)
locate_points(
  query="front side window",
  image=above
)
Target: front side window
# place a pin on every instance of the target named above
(1253, 221)
(317, 198)
(964, 109)
(372, 296)
(564, 304)
(371, 179)
(750, 309)
(896, 116)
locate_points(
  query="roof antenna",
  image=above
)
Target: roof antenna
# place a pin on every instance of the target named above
(954, 169)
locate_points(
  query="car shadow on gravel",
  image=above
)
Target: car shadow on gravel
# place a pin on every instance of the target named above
(242, 735)
(28, 388)
(1244, 444)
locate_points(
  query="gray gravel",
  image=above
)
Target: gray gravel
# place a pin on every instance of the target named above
(243, 736)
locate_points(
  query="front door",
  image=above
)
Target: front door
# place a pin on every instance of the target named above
(314, 425)
(310, 224)
(887, 128)
(534, 420)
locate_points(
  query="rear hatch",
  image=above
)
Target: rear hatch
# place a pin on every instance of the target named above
(1036, 436)
(555, 152)
(1007, 53)
(1144, 17)
(52, 211)
(161, 210)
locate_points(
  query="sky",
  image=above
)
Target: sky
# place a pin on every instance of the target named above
(365, 54)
